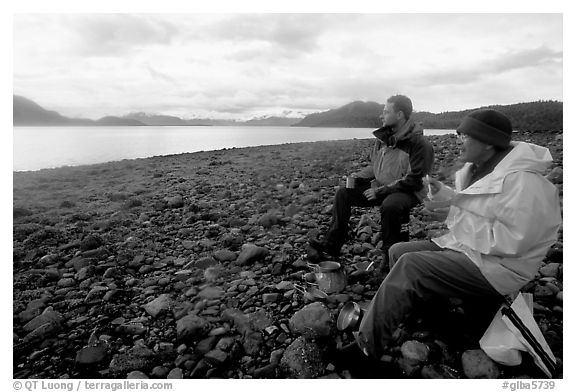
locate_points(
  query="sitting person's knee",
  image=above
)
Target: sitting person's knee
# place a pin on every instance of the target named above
(396, 251)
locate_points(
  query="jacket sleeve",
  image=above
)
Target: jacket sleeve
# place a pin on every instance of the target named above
(368, 171)
(523, 217)
(421, 157)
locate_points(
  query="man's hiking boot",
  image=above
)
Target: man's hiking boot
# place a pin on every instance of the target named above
(323, 248)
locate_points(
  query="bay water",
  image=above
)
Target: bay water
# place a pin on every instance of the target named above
(37, 148)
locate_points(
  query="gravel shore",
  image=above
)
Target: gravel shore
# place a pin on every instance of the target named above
(185, 266)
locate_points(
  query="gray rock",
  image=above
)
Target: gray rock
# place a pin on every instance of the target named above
(112, 273)
(205, 262)
(556, 175)
(302, 359)
(190, 327)
(33, 309)
(252, 343)
(240, 320)
(48, 316)
(270, 298)
(132, 328)
(259, 320)
(90, 355)
(550, 270)
(543, 293)
(232, 241)
(415, 351)
(268, 220)
(205, 345)
(313, 321)
(136, 374)
(309, 199)
(476, 364)
(216, 357)
(187, 244)
(212, 274)
(160, 305)
(95, 294)
(138, 357)
(438, 371)
(66, 282)
(42, 333)
(175, 373)
(251, 253)
(224, 255)
(91, 242)
(174, 201)
(211, 292)
(160, 372)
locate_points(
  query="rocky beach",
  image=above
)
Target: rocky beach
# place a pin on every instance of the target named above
(194, 265)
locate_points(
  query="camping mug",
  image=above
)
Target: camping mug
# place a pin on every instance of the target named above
(350, 182)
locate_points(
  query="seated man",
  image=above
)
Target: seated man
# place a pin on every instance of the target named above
(400, 158)
(502, 219)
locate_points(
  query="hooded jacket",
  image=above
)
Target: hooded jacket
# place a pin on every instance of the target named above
(400, 160)
(506, 221)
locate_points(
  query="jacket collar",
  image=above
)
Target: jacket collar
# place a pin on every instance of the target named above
(387, 135)
(523, 157)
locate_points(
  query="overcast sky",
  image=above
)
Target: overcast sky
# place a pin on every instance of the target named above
(247, 65)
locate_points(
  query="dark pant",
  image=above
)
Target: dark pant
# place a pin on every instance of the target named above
(422, 271)
(394, 210)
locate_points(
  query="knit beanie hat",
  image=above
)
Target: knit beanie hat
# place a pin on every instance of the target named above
(488, 126)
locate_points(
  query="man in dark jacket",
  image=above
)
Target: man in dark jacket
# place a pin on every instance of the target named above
(401, 157)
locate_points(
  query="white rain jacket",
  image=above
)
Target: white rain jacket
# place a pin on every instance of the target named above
(506, 221)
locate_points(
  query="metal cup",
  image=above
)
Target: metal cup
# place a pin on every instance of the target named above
(350, 182)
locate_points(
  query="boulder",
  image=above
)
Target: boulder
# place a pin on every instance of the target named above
(550, 270)
(415, 351)
(205, 262)
(174, 201)
(90, 355)
(302, 359)
(251, 253)
(223, 255)
(91, 242)
(190, 327)
(160, 305)
(138, 357)
(476, 364)
(48, 316)
(268, 220)
(313, 321)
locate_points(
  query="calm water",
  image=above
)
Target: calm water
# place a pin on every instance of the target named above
(45, 147)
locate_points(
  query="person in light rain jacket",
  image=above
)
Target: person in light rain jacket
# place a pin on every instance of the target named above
(502, 218)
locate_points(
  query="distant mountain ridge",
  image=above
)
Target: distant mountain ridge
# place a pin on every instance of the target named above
(29, 113)
(356, 114)
(529, 116)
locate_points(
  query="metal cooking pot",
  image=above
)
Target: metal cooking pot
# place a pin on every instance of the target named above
(330, 276)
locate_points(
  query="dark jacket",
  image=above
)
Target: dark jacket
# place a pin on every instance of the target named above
(410, 139)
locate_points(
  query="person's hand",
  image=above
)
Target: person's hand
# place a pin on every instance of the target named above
(432, 205)
(370, 194)
(435, 185)
(438, 214)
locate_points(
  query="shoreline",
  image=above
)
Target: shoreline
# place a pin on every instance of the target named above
(123, 250)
